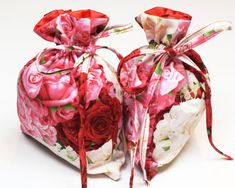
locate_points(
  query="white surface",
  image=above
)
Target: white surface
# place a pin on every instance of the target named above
(24, 163)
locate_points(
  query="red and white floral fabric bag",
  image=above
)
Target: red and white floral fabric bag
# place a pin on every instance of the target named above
(166, 88)
(69, 98)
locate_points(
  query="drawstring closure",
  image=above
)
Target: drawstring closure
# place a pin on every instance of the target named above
(161, 57)
(86, 52)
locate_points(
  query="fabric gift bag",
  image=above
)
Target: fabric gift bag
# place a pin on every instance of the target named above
(166, 88)
(69, 98)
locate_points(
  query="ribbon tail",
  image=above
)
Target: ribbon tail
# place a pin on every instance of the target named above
(209, 121)
(115, 30)
(135, 142)
(82, 152)
(201, 36)
(199, 74)
(119, 56)
(133, 156)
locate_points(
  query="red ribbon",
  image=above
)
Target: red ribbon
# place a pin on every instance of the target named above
(183, 48)
(91, 52)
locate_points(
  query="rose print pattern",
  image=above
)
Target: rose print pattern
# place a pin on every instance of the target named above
(170, 79)
(35, 118)
(58, 91)
(166, 89)
(102, 120)
(32, 80)
(69, 98)
(160, 29)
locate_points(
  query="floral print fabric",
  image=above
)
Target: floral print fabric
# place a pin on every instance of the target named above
(69, 98)
(166, 89)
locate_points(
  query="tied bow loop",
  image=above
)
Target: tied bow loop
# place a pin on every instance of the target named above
(62, 59)
(161, 54)
(137, 69)
(171, 52)
(75, 33)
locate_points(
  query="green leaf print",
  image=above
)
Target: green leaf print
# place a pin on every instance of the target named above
(68, 107)
(108, 158)
(93, 143)
(60, 143)
(164, 138)
(152, 44)
(117, 30)
(166, 148)
(58, 31)
(71, 48)
(138, 97)
(169, 37)
(72, 158)
(89, 161)
(42, 61)
(170, 93)
(208, 33)
(158, 69)
(53, 108)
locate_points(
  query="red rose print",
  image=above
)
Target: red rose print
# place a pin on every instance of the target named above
(102, 120)
(101, 124)
(67, 133)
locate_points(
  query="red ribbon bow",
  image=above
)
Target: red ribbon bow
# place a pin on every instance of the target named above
(183, 52)
(77, 43)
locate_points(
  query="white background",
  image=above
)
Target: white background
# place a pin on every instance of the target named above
(25, 163)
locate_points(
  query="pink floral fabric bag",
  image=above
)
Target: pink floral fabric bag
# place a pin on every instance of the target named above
(166, 88)
(69, 98)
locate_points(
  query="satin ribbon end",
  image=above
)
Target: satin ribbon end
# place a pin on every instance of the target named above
(229, 158)
(147, 182)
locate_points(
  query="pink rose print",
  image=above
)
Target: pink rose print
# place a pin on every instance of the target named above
(35, 118)
(170, 79)
(181, 31)
(66, 26)
(143, 68)
(95, 82)
(83, 32)
(58, 90)
(64, 113)
(48, 134)
(53, 59)
(133, 108)
(68, 99)
(111, 89)
(32, 80)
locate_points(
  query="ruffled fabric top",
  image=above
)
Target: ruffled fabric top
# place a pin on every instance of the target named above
(164, 26)
(68, 27)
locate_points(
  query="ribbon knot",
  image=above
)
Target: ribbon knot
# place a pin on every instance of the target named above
(135, 80)
(171, 52)
(62, 59)
(47, 59)
(91, 50)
